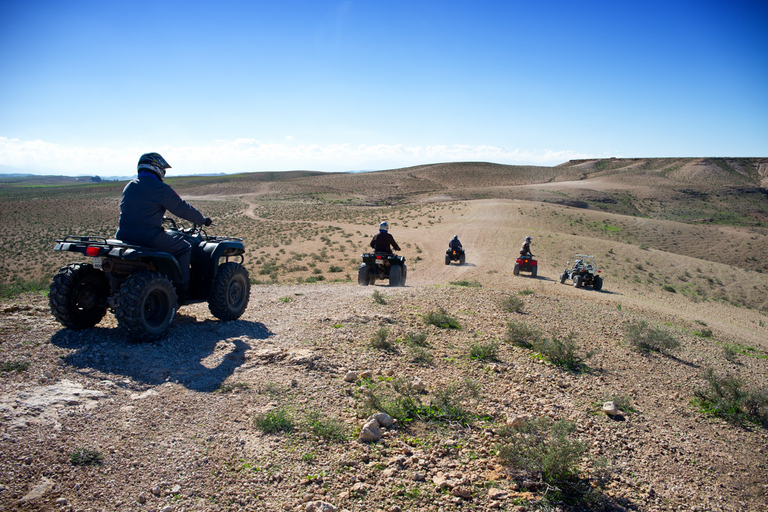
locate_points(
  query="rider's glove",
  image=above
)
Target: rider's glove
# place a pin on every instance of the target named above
(208, 221)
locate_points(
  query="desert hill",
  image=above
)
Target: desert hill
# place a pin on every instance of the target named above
(681, 246)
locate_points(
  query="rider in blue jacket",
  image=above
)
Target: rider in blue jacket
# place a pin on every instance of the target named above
(143, 205)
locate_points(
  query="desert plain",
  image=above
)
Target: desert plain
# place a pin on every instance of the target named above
(265, 412)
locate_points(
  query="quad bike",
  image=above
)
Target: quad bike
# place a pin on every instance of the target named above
(583, 270)
(526, 263)
(143, 286)
(382, 265)
(455, 255)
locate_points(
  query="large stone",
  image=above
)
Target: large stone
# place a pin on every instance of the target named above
(350, 376)
(418, 385)
(319, 506)
(610, 409)
(384, 419)
(371, 431)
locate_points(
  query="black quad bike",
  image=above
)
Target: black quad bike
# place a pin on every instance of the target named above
(583, 270)
(455, 255)
(526, 263)
(382, 265)
(143, 287)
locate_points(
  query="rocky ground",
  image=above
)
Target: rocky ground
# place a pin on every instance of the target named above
(172, 423)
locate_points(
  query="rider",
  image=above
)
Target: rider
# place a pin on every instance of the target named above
(454, 244)
(144, 202)
(525, 250)
(383, 240)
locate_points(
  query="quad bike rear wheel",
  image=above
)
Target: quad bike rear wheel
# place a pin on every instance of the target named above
(447, 259)
(78, 296)
(231, 291)
(597, 283)
(563, 277)
(145, 306)
(462, 258)
(397, 275)
(516, 269)
(534, 270)
(362, 275)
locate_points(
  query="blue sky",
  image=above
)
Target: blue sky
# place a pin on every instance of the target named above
(86, 87)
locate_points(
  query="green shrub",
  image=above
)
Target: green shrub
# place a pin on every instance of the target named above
(85, 457)
(276, 420)
(334, 268)
(469, 284)
(724, 397)
(731, 353)
(442, 319)
(542, 446)
(380, 340)
(645, 338)
(520, 334)
(527, 291)
(668, 288)
(561, 352)
(420, 355)
(378, 297)
(416, 338)
(397, 399)
(327, 428)
(484, 351)
(512, 304)
(14, 366)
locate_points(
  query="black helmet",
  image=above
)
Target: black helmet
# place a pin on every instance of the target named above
(528, 239)
(153, 163)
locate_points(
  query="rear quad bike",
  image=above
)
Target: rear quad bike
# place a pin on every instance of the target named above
(583, 271)
(382, 265)
(526, 263)
(143, 286)
(455, 255)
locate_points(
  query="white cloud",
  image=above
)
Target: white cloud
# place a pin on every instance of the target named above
(247, 155)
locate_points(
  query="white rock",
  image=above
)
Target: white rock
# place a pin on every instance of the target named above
(384, 419)
(515, 420)
(610, 409)
(371, 431)
(319, 506)
(418, 385)
(351, 376)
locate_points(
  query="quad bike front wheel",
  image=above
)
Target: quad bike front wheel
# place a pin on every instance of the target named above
(145, 306)
(78, 296)
(577, 281)
(231, 291)
(563, 277)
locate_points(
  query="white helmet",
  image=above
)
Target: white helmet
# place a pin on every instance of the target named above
(384, 226)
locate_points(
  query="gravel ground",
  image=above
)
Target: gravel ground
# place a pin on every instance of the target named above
(173, 421)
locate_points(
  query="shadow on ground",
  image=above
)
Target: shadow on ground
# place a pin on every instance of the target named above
(199, 355)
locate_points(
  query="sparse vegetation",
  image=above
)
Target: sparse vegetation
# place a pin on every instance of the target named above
(442, 319)
(468, 284)
(512, 304)
(276, 420)
(379, 297)
(14, 366)
(522, 335)
(380, 340)
(644, 338)
(725, 397)
(86, 457)
(324, 427)
(484, 351)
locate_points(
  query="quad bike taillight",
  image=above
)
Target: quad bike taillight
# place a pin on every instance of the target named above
(92, 251)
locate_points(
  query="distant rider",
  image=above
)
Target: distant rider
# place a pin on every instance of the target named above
(383, 240)
(454, 244)
(143, 205)
(525, 250)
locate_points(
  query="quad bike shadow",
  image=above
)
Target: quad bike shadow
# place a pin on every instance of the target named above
(200, 355)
